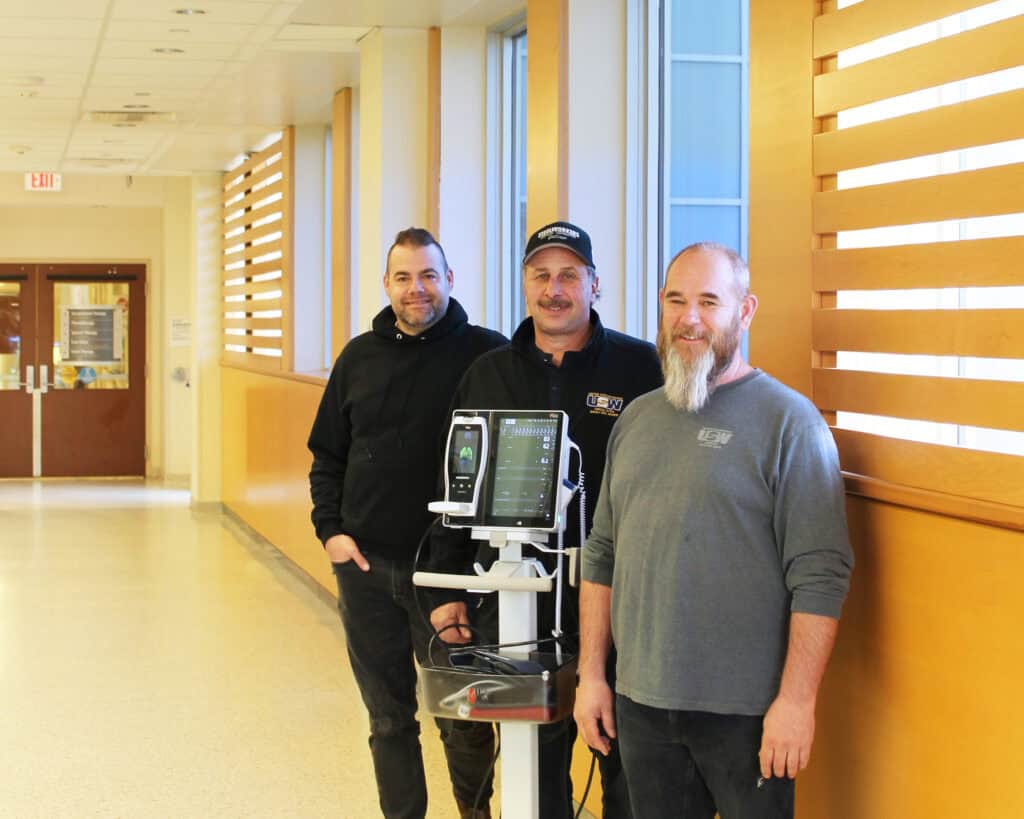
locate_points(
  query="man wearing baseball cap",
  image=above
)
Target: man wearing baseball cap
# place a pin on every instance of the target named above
(560, 358)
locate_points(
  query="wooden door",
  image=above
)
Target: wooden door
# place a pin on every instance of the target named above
(17, 355)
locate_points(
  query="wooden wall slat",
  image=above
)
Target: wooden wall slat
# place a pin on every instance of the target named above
(268, 343)
(258, 269)
(235, 177)
(966, 401)
(985, 121)
(981, 51)
(252, 288)
(254, 251)
(987, 512)
(237, 210)
(980, 333)
(252, 234)
(987, 476)
(250, 182)
(986, 192)
(252, 323)
(871, 19)
(287, 232)
(253, 305)
(974, 263)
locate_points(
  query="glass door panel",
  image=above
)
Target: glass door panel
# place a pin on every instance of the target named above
(10, 335)
(91, 343)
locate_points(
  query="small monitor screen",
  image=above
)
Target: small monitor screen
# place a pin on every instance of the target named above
(464, 452)
(525, 460)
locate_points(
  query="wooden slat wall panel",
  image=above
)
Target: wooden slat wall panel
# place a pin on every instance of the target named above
(972, 402)
(252, 305)
(275, 161)
(872, 19)
(236, 178)
(988, 192)
(987, 476)
(981, 333)
(251, 323)
(252, 235)
(255, 201)
(250, 288)
(975, 263)
(255, 251)
(985, 121)
(265, 342)
(981, 51)
(258, 269)
(250, 182)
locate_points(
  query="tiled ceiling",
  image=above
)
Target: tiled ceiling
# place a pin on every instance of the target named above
(205, 79)
(223, 77)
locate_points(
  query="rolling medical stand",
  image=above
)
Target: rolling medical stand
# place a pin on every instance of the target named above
(506, 479)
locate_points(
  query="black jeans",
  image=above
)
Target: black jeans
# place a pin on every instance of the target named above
(690, 763)
(384, 630)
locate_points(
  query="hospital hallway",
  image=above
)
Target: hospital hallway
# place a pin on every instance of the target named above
(162, 661)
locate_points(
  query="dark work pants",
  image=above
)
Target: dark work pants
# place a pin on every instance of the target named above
(690, 763)
(384, 630)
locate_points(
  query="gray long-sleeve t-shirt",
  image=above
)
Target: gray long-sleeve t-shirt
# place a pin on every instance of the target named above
(711, 528)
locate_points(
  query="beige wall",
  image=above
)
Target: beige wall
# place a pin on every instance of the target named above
(102, 218)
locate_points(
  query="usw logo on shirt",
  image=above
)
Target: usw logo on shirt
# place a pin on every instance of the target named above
(601, 404)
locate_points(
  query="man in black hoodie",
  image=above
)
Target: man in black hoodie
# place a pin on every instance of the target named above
(561, 358)
(376, 456)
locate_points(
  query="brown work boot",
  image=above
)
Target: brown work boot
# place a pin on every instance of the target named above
(467, 811)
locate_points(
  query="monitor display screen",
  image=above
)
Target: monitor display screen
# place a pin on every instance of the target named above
(525, 458)
(464, 452)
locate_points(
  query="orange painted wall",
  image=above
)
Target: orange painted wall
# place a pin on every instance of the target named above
(919, 715)
(266, 420)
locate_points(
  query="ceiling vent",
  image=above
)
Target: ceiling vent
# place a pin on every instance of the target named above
(130, 117)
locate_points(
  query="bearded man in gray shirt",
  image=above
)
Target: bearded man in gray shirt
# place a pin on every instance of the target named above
(719, 561)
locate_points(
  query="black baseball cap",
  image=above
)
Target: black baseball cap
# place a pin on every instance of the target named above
(561, 234)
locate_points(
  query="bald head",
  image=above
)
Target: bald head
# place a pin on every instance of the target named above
(740, 271)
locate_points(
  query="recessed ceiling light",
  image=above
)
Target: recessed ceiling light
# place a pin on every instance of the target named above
(21, 149)
(112, 141)
(124, 125)
(28, 94)
(143, 93)
(135, 105)
(189, 11)
(179, 30)
(169, 50)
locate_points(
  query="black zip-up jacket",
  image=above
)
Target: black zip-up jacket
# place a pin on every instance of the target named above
(592, 386)
(375, 446)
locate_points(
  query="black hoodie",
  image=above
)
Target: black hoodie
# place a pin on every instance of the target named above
(375, 439)
(592, 386)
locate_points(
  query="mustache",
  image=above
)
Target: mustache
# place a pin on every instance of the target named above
(554, 302)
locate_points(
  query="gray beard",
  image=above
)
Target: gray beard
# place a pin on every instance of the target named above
(686, 382)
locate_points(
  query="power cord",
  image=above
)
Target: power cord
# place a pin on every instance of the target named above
(590, 781)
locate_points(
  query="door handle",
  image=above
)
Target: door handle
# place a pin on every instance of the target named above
(30, 379)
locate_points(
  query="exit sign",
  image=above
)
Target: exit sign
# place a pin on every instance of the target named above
(42, 181)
